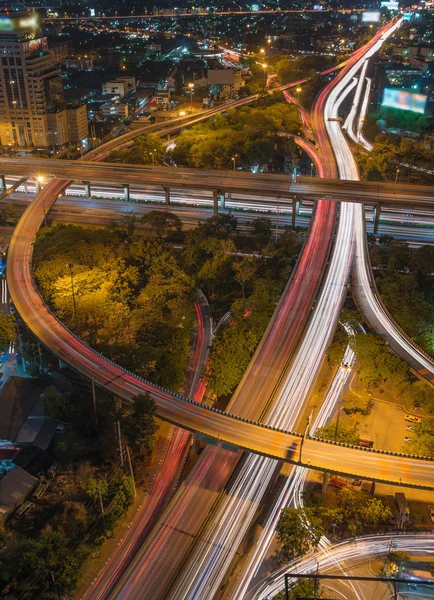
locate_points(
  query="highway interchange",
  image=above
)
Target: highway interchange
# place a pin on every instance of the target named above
(298, 343)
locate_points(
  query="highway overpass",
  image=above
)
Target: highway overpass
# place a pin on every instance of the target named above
(261, 185)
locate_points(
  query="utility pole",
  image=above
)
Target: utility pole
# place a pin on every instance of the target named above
(131, 469)
(277, 218)
(101, 505)
(120, 443)
(94, 401)
(304, 437)
(70, 266)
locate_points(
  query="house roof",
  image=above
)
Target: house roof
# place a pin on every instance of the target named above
(17, 399)
(15, 486)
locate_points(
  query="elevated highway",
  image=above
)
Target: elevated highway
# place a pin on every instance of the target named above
(263, 185)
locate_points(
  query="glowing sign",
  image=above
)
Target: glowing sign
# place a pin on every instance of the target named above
(390, 5)
(9, 24)
(370, 17)
(395, 98)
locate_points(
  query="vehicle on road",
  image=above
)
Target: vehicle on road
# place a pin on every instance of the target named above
(410, 428)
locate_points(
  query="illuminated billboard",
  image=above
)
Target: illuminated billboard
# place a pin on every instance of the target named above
(390, 5)
(395, 98)
(370, 17)
(13, 23)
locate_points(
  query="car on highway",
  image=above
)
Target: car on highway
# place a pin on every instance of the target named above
(412, 418)
(410, 428)
(431, 512)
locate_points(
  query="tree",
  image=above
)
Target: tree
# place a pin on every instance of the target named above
(162, 221)
(7, 329)
(73, 514)
(344, 434)
(8, 215)
(375, 512)
(357, 404)
(245, 271)
(298, 531)
(262, 227)
(139, 425)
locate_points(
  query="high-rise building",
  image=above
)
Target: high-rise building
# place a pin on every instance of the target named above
(32, 106)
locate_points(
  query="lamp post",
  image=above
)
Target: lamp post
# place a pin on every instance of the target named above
(70, 267)
(191, 86)
(396, 176)
(269, 47)
(234, 160)
(80, 147)
(298, 90)
(310, 179)
(265, 75)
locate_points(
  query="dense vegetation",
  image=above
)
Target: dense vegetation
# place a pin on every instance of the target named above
(405, 280)
(351, 514)
(250, 133)
(392, 152)
(133, 301)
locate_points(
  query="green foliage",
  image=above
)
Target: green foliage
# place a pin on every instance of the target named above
(49, 557)
(391, 152)
(376, 361)
(295, 537)
(250, 133)
(344, 434)
(7, 329)
(141, 153)
(138, 423)
(162, 221)
(134, 303)
(8, 215)
(357, 404)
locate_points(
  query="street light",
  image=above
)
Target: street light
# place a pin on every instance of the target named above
(234, 160)
(262, 51)
(269, 47)
(153, 157)
(396, 176)
(191, 86)
(265, 74)
(70, 267)
(80, 147)
(311, 170)
(298, 90)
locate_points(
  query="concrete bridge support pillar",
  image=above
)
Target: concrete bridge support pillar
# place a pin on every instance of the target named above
(223, 200)
(87, 189)
(127, 192)
(196, 447)
(37, 186)
(2, 183)
(166, 195)
(295, 210)
(377, 213)
(215, 196)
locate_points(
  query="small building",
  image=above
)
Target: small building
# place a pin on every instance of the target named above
(162, 96)
(120, 86)
(116, 110)
(15, 487)
(78, 125)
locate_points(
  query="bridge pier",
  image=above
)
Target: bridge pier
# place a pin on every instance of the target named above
(377, 213)
(166, 195)
(216, 194)
(196, 444)
(127, 192)
(295, 210)
(2, 183)
(87, 190)
(37, 186)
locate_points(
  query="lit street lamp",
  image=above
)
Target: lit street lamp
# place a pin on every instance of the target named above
(234, 160)
(191, 86)
(298, 90)
(70, 267)
(153, 157)
(265, 74)
(396, 176)
(269, 47)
